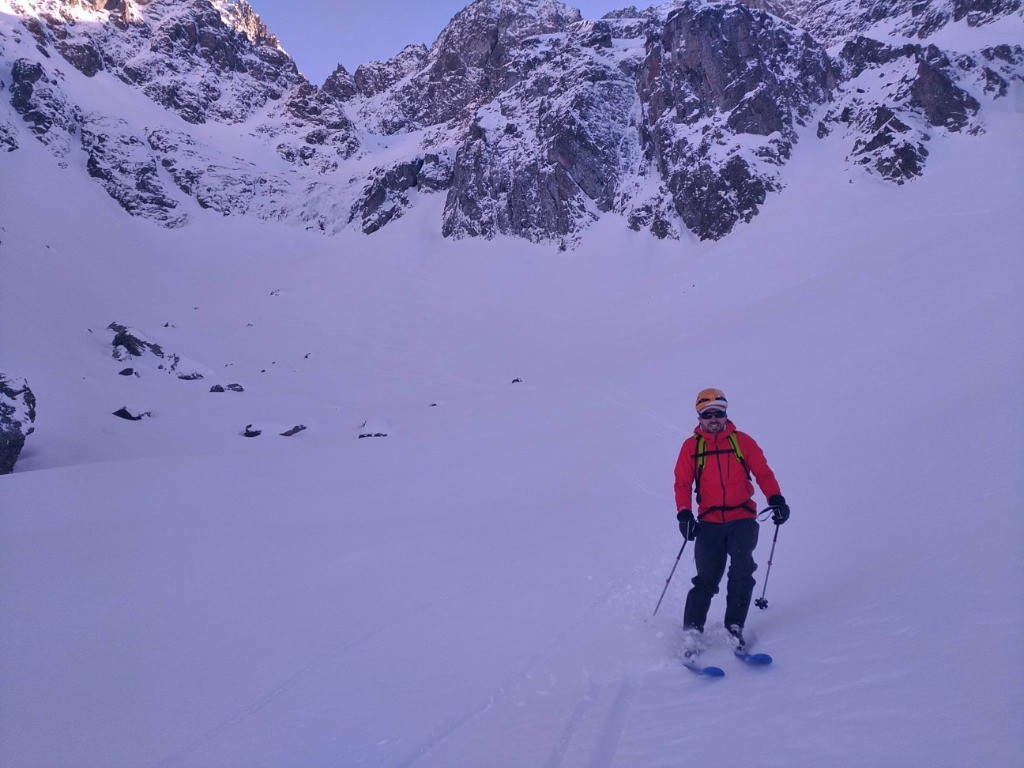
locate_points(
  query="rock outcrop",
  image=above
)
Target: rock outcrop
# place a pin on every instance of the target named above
(725, 89)
(17, 416)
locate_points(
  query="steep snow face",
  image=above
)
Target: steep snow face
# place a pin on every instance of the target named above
(833, 21)
(528, 120)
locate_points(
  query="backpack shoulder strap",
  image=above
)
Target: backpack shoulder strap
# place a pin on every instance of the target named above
(699, 457)
(701, 452)
(735, 443)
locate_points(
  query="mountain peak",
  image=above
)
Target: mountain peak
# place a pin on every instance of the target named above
(241, 17)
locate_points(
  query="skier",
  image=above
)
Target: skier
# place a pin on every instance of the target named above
(719, 459)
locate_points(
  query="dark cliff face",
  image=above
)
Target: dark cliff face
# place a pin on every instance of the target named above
(530, 120)
(475, 58)
(578, 121)
(545, 157)
(715, 73)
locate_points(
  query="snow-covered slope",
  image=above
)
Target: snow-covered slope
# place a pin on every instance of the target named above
(476, 588)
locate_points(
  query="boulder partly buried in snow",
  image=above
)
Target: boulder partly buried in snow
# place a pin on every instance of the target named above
(131, 345)
(185, 369)
(374, 427)
(17, 414)
(132, 413)
(255, 430)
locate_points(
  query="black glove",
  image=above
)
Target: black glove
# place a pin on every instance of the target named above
(780, 509)
(687, 525)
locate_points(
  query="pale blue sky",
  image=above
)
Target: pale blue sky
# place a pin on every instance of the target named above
(320, 34)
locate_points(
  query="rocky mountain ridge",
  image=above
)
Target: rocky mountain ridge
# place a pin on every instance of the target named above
(531, 120)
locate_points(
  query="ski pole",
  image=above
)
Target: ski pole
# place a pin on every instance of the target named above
(761, 602)
(669, 579)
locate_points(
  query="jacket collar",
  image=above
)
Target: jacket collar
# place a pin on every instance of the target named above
(729, 429)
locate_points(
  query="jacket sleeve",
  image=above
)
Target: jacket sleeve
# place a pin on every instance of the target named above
(684, 475)
(758, 465)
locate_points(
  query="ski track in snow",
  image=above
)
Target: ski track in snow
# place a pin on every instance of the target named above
(264, 701)
(608, 741)
(448, 726)
(572, 725)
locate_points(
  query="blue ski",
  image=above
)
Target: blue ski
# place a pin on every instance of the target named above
(699, 669)
(757, 659)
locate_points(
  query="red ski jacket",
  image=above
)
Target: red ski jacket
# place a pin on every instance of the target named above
(725, 492)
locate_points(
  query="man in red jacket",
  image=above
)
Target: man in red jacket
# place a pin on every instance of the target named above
(719, 460)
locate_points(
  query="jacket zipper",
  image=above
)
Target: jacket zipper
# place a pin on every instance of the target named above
(721, 477)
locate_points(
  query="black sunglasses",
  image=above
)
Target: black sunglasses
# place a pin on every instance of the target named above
(713, 415)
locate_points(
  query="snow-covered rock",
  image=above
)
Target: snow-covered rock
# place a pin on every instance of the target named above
(17, 415)
(37, 96)
(133, 412)
(378, 76)
(130, 345)
(128, 170)
(834, 20)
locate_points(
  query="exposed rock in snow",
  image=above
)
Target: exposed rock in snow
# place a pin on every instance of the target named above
(132, 413)
(549, 155)
(185, 369)
(17, 415)
(388, 193)
(895, 96)
(255, 430)
(199, 59)
(475, 58)
(374, 427)
(240, 16)
(378, 76)
(725, 89)
(131, 345)
(832, 21)
(317, 131)
(8, 137)
(128, 170)
(37, 96)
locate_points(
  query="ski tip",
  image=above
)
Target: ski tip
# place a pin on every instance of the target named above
(705, 671)
(755, 658)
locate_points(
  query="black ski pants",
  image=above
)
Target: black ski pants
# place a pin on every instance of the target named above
(716, 543)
